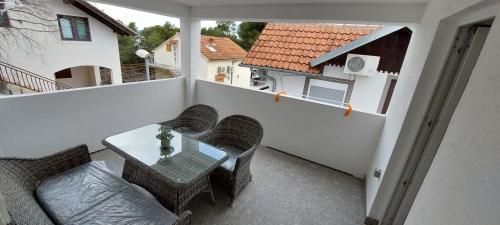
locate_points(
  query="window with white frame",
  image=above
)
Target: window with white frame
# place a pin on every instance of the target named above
(327, 91)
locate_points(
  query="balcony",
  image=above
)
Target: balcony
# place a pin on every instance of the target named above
(291, 168)
(316, 165)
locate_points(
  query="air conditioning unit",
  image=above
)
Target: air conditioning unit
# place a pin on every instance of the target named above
(221, 70)
(364, 65)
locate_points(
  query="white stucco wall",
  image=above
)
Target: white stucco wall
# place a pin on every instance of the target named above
(463, 184)
(367, 92)
(57, 54)
(59, 120)
(162, 56)
(292, 85)
(310, 130)
(430, 44)
(241, 75)
(81, 76)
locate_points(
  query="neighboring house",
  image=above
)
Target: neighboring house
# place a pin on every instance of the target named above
(78, 42)
(220, 59)
(307, 60)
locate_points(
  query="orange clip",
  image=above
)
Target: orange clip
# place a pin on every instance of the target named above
(348, 110)
(277, 97)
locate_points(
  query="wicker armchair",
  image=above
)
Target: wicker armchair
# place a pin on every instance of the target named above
(19, 179)
(194, 120)
(239, 136)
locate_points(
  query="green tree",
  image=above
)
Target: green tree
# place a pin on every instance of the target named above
(153, 36)
(248, 32)
(223, 29)
(127, 47)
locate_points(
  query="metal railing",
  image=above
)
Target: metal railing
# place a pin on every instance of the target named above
(25, 79)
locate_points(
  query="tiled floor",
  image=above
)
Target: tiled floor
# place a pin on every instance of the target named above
(285, 190)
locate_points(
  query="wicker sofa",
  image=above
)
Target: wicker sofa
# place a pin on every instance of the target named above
(20, 178)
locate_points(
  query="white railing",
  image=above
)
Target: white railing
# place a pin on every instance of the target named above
(34, 125)
(38, 124)
(315, 131)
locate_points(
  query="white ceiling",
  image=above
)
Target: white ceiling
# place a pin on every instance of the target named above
(252, 2)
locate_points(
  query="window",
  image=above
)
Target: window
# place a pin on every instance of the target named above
(66, 73)
(74, 28)
(4, 19)
(168, 47)
(328, 91)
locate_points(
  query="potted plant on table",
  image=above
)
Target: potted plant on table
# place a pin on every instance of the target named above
(165, 136)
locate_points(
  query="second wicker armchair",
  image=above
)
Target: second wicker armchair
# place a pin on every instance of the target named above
(194, 120)
(239, 136)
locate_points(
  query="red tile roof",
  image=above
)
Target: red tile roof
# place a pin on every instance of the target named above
(293, 46)
(221, 48)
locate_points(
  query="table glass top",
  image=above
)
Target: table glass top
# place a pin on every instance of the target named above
(185, 161)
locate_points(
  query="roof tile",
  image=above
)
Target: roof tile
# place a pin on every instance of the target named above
(293, 46)
(215, 48)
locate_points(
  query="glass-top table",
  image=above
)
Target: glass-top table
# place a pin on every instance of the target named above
(186, 163)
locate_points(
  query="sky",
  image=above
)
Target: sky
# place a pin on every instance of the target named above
(142, 19)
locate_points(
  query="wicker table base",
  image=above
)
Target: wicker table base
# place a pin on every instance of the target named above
(175, 199)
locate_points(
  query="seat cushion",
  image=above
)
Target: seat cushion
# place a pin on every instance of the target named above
(89, 194)
(233, 153)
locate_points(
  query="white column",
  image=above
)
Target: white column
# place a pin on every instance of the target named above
(97, 75)
(190, 55)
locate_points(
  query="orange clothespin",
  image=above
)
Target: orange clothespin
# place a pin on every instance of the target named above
(348, 110)
(278, 95)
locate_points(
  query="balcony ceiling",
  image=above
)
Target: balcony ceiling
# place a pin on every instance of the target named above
(340, 11)
(252, 2)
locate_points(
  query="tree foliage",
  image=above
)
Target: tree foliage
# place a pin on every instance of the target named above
(153, 36)
(127, 46)
(248, 32)
(244, 34)
(150, 38)
(223, 29)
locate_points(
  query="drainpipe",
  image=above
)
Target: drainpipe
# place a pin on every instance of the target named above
(272, 79)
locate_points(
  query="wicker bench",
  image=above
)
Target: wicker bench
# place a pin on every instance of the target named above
(20, 178)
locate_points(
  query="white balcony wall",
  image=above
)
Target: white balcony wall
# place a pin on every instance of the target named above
(40, 124)
(313, 131)
(463, 183)
(430, 44)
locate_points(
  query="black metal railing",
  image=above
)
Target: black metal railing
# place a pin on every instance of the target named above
(25, 79)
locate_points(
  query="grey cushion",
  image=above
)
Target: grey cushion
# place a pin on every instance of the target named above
(89, 194)
(233, 153)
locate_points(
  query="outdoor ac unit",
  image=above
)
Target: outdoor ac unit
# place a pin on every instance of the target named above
(221, 70)
(365, 65)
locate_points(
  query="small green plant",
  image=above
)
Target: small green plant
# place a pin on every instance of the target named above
(164, 133)
(165, 136)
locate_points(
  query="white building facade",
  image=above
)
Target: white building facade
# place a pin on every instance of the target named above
(215, 65)
(75, 43)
